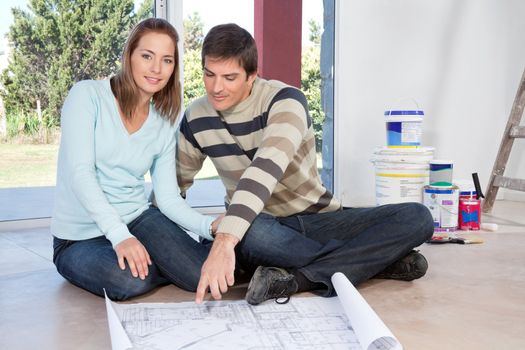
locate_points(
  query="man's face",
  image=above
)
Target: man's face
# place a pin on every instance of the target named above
(226, 82)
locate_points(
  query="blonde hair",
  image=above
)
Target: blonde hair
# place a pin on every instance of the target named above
(168, 100)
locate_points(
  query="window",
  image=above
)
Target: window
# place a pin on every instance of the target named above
(38, 72)
(41, 54)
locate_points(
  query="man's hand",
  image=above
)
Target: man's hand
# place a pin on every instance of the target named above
(215, 223)
(136, 255)
(217, 270)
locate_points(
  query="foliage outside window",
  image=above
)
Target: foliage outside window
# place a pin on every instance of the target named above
(55, 44)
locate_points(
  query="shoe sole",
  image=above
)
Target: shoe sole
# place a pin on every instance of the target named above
(410, 276)
(251, 298)
(419, 272)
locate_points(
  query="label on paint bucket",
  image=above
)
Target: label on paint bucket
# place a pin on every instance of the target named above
(400, 174)
(399, 188)
(404, 128)
(469, 213)
(443, 205)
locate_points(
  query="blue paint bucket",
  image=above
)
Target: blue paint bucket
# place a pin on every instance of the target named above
(404, 128)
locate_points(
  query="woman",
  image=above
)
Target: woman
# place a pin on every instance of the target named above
(106, 233)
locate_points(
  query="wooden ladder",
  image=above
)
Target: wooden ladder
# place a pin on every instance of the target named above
(512, 131)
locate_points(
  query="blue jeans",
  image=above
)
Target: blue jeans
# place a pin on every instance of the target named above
(92, 264)
(359, 242)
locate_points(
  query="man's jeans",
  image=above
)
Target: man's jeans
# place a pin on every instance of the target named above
(359, 242)
(92, 264)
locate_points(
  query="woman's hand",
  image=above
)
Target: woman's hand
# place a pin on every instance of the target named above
(136, 255)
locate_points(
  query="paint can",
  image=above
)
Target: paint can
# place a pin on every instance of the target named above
(443, 205)
(441, 172)
(466, 188)
(469, 217)
(469, 213)
(401, 174)
(404, 128)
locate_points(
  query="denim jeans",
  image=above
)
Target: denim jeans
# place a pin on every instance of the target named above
(92, 264)
(359, 242)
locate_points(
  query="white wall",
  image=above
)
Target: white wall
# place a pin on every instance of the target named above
(460, 59)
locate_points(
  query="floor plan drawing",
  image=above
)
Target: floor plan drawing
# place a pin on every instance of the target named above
(303, 323)
(312, 323)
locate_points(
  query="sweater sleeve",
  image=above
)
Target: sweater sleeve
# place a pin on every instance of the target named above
(189, 156)
(167, 193)
(78, 121)
(288, 122)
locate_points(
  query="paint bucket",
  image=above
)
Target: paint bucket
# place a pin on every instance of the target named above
(469, 214)
(404, 128)
(441, 172)
(469, 217)
(467, 189)
(401, 174)
(443, 205)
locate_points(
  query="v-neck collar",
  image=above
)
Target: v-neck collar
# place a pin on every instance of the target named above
(119, 117)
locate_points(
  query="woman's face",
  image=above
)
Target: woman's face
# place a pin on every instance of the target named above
(153, 62)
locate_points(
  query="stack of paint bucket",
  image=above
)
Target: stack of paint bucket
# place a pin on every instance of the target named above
(402, 167)
(441, 196)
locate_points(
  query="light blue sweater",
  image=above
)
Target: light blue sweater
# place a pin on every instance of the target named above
(101, 167)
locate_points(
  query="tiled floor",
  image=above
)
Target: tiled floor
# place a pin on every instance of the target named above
(473, 296)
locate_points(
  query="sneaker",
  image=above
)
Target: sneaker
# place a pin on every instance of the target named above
(271, 283)
(411, 267)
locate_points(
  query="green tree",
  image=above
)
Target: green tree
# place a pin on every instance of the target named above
(311, 80)
(311, 86)
(315, 32)
(193, 32)
(193, 83)
(57, 43)
(145, 10)
(193, 37)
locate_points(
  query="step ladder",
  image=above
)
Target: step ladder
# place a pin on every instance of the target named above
(512, 131)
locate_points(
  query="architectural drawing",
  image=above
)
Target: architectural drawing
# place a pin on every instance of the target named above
(304, 323)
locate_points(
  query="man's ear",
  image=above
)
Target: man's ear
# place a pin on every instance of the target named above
(252, 77)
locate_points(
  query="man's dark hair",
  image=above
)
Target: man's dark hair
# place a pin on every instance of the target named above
(226, 41)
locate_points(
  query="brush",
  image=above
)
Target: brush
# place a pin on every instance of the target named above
(458, 240)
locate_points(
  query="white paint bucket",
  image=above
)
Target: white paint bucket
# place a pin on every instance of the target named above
(401, 174)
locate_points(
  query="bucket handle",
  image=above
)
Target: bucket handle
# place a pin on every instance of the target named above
(411, 99)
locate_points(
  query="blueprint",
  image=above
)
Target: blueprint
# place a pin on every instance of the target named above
(303, 323)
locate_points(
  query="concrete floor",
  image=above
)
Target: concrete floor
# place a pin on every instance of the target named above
(473, 296)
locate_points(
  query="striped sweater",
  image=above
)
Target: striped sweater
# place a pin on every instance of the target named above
(264, 152)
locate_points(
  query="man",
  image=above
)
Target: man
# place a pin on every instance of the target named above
(280, 219)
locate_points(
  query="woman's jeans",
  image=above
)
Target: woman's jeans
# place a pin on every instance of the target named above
(359, 242)
(92, 264)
